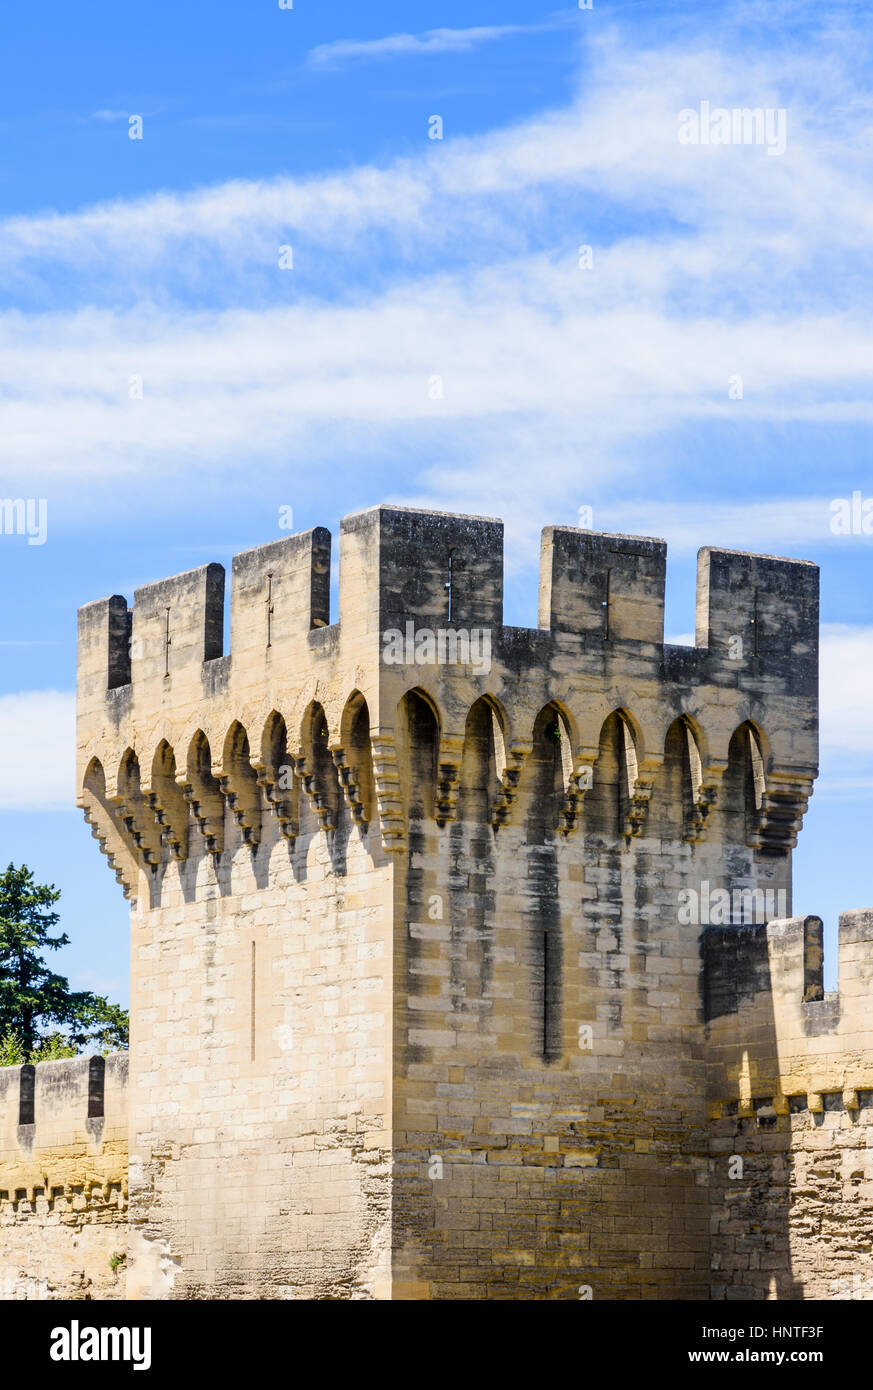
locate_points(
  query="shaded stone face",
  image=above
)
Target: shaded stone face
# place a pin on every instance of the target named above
(791, 1095)
(416, 1009)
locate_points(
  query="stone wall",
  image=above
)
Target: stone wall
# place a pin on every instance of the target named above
(791, 1097)
(63, 1179)
(554, 823)
(417, 1009)
(260, 1121)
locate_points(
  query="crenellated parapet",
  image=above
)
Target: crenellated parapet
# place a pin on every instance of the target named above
(185, 749)
(63, 1135)
(775, 1036)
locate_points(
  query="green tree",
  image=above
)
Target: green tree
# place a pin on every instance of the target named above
(35, 1002)
(11, 1051)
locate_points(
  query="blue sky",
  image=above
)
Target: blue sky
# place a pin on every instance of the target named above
(413, 258)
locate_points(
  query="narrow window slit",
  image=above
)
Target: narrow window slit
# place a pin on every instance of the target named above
(96, 1087)
(253, 1004)
(551, 1021)
(546, 983)
(26, 1089)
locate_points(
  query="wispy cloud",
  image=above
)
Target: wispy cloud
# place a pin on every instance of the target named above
(37, 748)
(615, 145)
(846, 712)
(846, 708)
(758, 524)
(461, 263)
(107, 115)
(410, 45)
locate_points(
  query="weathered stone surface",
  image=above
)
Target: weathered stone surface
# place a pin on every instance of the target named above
(431, 996)
(63, 1180)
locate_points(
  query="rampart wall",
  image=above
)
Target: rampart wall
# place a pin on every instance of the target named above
(791, 1097)
(418, 1002)
(63, 1179)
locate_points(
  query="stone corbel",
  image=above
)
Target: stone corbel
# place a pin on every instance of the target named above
(204, 797)
(641, 782)
(283, 801)
(705, 786)
(451, 752)
(113, 842)
(170, 809)
(347, 770)
(305, 769)
(389, 795)
(510, 775)
(782, 807)
(136, 815)
(578, 781)
(239, 787)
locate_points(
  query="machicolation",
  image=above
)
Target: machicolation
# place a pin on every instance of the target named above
(416, 1010)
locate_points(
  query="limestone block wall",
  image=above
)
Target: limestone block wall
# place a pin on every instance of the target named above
(260, 1118)
(557, 810)
(234, 798)
(791, 1095)
(565, 1094)
(63, 1179)
(374, 902)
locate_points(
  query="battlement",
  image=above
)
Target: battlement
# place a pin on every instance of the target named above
(757, 615)
(417, 889)
(63, 1129)
(168, 722)
(772, 1027)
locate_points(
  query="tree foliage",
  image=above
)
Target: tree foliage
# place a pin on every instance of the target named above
(40, 1016)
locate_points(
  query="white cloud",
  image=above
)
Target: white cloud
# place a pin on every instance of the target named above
(846, 713)
(529, 367)
(37, 750)
(616, 141)
(761, 525)
(846, 682)
(462, 262)
(410, 45)
(106, 115)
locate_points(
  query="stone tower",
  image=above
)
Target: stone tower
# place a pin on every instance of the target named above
(418, 899)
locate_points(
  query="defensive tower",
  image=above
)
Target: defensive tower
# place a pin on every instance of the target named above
(415, 1009)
